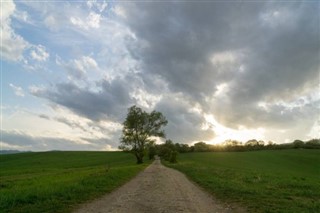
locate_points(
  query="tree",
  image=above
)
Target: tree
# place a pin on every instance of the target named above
(182, 148)
(166, 149)
(313, 144)
(151, 150)
(252, 142)
(230, 142)
(201, 147)
(138, 128)
(173, 156)
(298, 144)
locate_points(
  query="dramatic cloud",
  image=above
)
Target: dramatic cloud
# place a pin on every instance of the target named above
(217, 70)
(185, 122)
(110, 101)
(249, 52)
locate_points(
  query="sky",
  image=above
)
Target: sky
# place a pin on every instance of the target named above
(217, 70)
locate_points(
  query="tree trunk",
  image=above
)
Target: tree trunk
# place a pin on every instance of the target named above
(139, 158)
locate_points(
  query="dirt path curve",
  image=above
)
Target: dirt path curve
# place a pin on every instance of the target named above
(157, 189)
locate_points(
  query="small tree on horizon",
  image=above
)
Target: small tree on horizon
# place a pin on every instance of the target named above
(138, 128)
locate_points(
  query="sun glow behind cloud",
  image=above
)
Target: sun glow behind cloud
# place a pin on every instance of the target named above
(71, 70)
(223, 133)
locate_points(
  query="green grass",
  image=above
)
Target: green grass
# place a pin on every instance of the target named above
(58, 181)
(261, 181)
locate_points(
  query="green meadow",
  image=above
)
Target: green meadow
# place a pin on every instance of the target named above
(58, 181)
(261, 181)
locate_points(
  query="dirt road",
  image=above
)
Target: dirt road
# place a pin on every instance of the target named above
(157, 189)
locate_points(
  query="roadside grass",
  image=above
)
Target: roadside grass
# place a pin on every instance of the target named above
(59, 181)
(261, 181)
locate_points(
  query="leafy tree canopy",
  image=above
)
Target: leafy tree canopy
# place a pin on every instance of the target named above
(138, 130)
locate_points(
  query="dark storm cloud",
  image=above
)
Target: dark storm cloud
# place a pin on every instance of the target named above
(263, 52)
(176, 40)
(111, 101)
(286, 56)
(184, 125)
(275, 48)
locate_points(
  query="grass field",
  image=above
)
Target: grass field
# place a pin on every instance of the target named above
(58, 181)
(261, 181)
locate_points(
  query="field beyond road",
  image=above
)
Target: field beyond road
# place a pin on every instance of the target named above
(58, 181)
(262, 181)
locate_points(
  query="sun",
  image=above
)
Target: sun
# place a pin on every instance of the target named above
(223, 133)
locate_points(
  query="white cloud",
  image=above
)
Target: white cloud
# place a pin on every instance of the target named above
(100, 6)
(90, 3)
(119, 11)
(8, 9)
(51, 23)
(12, 44)
(39, 53)
(77, 68)
(92, 21)
(77, 21)
(88, 62)
(222, 89)
(223, 58)
(297, 103)
(36, 90)
(18, 91)
(22, 16)
(145, 99)
(264, 106)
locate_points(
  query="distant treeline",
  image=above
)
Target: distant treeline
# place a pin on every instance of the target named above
(169, 147)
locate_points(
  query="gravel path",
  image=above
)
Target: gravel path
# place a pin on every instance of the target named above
(158, 189)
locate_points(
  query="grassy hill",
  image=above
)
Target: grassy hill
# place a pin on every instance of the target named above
(58, 181)
(262, 181)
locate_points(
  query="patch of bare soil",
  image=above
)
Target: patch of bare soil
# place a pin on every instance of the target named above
(158, 189)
